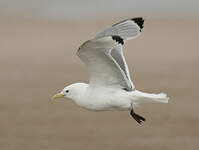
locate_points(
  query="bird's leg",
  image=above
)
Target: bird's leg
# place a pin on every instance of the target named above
(137, 117)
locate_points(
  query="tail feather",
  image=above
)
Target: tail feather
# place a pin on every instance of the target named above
(151, 97)
(161, 97)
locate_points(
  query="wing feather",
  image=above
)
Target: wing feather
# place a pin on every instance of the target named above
(106, 63)
(104, 56)
(127, 29)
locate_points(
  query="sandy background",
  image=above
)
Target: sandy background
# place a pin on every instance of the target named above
(38, 59)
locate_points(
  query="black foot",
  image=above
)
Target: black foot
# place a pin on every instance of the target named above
(137, 117)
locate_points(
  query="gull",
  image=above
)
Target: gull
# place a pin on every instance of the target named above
(110, 86)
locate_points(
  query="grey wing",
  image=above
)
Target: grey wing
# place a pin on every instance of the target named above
(104, 56)
(106, 63)
(127, 29)
(117, 55)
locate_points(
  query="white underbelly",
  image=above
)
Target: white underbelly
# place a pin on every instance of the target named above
(102, 99)
(100, 104)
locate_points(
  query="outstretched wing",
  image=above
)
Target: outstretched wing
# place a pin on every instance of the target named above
(104, 55)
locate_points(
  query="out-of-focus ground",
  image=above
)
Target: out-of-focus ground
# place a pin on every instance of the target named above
(37, 59)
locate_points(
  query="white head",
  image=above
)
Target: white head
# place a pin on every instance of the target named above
(73, 91)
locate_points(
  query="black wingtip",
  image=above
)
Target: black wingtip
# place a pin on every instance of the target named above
(118, 39)
(139, 21)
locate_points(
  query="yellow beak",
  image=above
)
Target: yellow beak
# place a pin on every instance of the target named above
(59, 95)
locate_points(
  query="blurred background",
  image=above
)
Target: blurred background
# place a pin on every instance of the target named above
(38, 42)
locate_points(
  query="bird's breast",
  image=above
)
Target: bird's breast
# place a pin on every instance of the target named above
(101, 100)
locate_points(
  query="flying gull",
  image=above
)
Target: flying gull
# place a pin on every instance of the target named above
(110, 86)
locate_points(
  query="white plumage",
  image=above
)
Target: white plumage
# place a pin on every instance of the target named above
(110, 86)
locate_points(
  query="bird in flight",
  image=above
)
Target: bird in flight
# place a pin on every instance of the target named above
(110, 86)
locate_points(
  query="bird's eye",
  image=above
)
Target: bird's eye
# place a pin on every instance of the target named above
(67, 91)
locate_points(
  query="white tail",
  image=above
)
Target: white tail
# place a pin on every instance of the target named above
(151, 97)
(161, 97)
